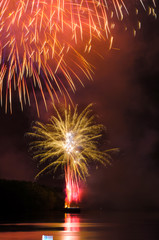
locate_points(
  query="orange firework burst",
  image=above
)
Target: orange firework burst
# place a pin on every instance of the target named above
(39, 42)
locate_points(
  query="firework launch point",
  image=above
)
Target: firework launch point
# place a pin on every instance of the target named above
(72, 210)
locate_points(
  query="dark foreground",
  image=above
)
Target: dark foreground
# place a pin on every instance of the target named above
(87, 226)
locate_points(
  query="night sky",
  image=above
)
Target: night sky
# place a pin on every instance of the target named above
(125, 93)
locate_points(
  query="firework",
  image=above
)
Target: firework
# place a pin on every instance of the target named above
(37, 41)
(70, 140)
(40, 43)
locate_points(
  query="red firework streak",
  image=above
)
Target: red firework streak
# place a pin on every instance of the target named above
(72, 189)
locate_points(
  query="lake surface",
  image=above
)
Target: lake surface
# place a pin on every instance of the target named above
(86, 226)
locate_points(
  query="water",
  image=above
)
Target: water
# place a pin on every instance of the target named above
(97, 226)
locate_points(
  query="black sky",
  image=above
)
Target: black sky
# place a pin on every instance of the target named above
(125, 93)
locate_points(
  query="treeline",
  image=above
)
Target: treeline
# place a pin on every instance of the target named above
(24, 197)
